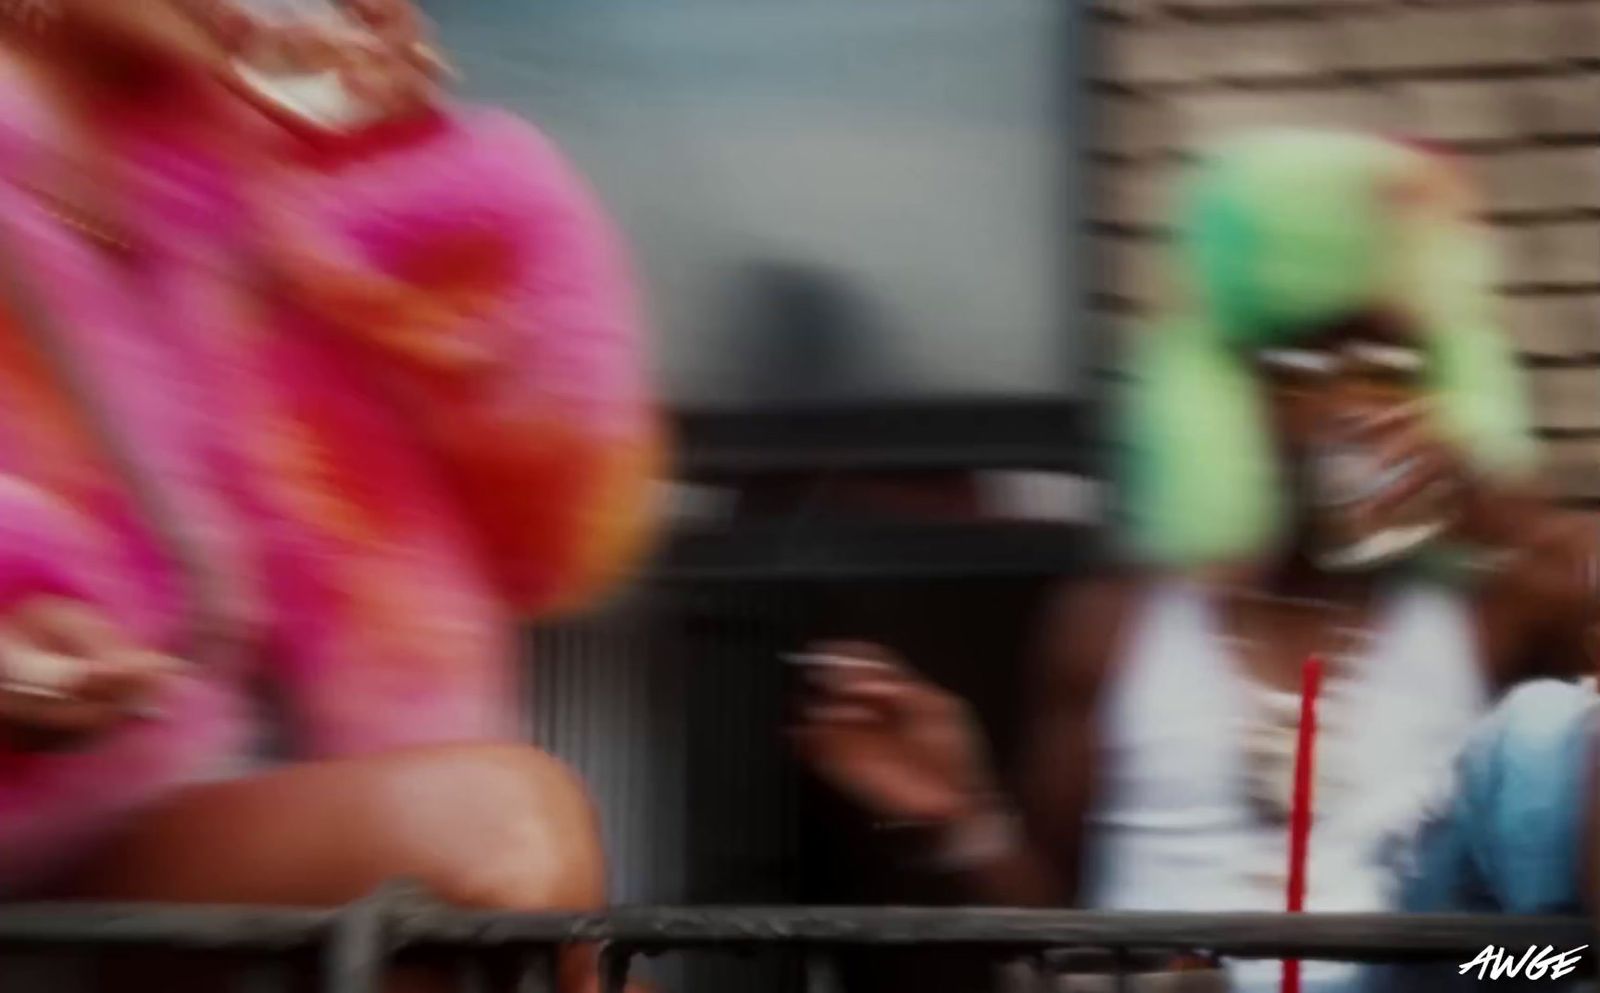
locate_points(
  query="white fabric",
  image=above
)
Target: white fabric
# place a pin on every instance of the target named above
(1173, 827)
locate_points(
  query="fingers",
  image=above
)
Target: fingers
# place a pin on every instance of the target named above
(1417, 463)
(52, 719)
(385, 79)
(31, 669)
(130, 683)
(845, 708)
(1426, 467)
(857, 701)
(235, 30)
(381, 53)
(821, 748)
(842, 714)
(1427, 486)
(863, 651)
(102, 700)
(67, 671)
(40, 691)
(836, 662)
(386, 15)
(1409, 432)
(1374, 424)
(405, 32)
(1405, 436)
(310, 47)
(66, 627)
(856, 682)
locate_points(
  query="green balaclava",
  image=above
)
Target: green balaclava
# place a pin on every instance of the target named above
(1281, 232)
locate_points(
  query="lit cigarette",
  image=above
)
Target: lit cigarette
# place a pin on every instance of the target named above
(836, 661)
(36, 692)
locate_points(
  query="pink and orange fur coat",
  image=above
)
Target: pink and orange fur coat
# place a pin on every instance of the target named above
(392, 404)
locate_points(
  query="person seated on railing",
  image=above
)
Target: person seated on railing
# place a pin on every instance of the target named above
(1327, 454)
(296, 425)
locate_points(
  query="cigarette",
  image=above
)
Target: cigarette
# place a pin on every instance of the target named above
(836, 661)
(35, 691)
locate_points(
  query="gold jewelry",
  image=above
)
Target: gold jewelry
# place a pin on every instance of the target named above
(91, 227)
(1270, 731)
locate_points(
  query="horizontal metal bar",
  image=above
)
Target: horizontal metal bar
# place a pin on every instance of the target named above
(1352, 937)
(824, 550)
(244, 928)
(1056, 433)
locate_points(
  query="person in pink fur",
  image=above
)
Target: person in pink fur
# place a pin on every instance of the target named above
(295, 430)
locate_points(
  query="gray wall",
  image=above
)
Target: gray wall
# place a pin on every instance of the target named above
(909, 150)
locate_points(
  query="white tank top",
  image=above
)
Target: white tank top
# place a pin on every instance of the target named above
(1173, 827)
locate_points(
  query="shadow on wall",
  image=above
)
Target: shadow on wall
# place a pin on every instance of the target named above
(801, 335)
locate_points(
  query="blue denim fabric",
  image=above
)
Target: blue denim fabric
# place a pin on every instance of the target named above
(1509, 840)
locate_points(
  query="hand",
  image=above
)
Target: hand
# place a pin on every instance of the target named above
(67, 674)
(394, 65)
(1544, 560)
(1497, 516)
(898, 745)
(383, 53)
(1406, 436)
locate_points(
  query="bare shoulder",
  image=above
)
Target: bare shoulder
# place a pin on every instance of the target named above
(1082, 631)
(1536, 609)
(1544, 564)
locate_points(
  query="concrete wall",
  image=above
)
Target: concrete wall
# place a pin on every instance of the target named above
(904, 153)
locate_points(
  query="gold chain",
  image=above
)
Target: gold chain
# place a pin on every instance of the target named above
(91, 227)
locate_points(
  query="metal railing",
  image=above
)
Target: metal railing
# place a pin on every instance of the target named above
(356, 942)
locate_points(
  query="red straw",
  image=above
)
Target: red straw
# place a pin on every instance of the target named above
(1305, 764)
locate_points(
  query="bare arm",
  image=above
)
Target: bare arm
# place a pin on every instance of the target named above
(1540, 608)
(910, 753)
(1537, 598)
(1055, 785)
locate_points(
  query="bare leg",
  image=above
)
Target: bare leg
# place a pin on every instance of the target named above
(491, 827)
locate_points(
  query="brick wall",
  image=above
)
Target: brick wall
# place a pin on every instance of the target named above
(1512, 85)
